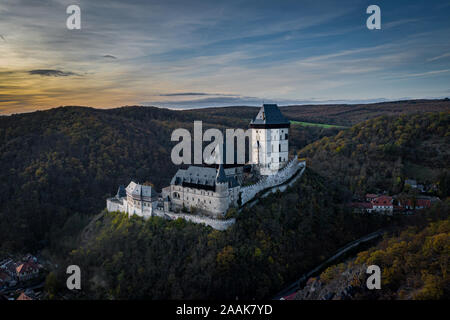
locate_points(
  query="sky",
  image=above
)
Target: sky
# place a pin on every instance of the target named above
(184, 54)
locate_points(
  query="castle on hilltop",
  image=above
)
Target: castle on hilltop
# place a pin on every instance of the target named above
(212, 190)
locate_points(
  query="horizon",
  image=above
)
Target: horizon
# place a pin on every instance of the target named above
(198, 54)
(228, 106)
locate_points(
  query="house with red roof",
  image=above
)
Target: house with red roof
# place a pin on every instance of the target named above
(362, 206)
(27, 270)
(383, 204)
(24, 296)
(418, 204)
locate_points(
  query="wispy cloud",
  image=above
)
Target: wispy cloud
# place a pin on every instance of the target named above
(218, 52)
(439, 57)
(423, 74)
(51, 73)
(181, 94)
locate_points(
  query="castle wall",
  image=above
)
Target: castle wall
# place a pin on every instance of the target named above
(249, 192)
(113, 204)
(207, 201)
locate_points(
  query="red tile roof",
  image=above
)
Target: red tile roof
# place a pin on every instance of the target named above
(382, 201)
(425, 203)
(23, 296)
(362, 205)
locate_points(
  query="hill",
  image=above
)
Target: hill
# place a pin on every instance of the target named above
(380, 154)
(59, 166)
(338, 114)
(270, 243)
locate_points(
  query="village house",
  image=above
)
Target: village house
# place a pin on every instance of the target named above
(383, 204)
(375, 203)
(416, 204)
(27, 270)
(387, 204)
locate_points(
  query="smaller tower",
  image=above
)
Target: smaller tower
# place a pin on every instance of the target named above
(222, 185)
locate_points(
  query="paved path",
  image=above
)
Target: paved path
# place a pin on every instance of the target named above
(294, 287)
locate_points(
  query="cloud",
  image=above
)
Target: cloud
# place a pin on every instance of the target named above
(423, 74)
(188, 52)
(51, 73)
(439, 57)
(180, 94)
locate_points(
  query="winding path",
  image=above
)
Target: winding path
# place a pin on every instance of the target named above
(295, 286)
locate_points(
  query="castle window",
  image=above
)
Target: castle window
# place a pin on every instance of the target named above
(279, 147)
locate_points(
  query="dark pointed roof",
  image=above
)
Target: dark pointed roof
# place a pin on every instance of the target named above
(269, 114)
(221, 177)
(121, 192)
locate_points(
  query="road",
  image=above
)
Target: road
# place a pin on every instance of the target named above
(295, 286)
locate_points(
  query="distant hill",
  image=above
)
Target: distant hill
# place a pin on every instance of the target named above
(338, 114)
(380, 154)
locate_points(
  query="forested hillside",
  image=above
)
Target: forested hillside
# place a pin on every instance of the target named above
(285, 234)
(59, 166)
(341, 114)
(379, 154)
(414, 265)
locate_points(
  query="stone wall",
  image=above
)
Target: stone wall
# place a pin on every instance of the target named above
(249, 192)
(215, 223)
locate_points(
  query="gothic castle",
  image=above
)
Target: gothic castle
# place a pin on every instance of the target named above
(212, 190)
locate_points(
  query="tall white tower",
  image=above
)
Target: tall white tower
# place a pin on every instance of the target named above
(270, 139)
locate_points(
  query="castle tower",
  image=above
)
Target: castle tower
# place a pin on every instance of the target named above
(270, 139)
(221, 178)
(222, 184)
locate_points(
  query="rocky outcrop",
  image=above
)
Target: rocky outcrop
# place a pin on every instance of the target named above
(343, 286)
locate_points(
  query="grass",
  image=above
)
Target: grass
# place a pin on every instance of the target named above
(323, 125)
